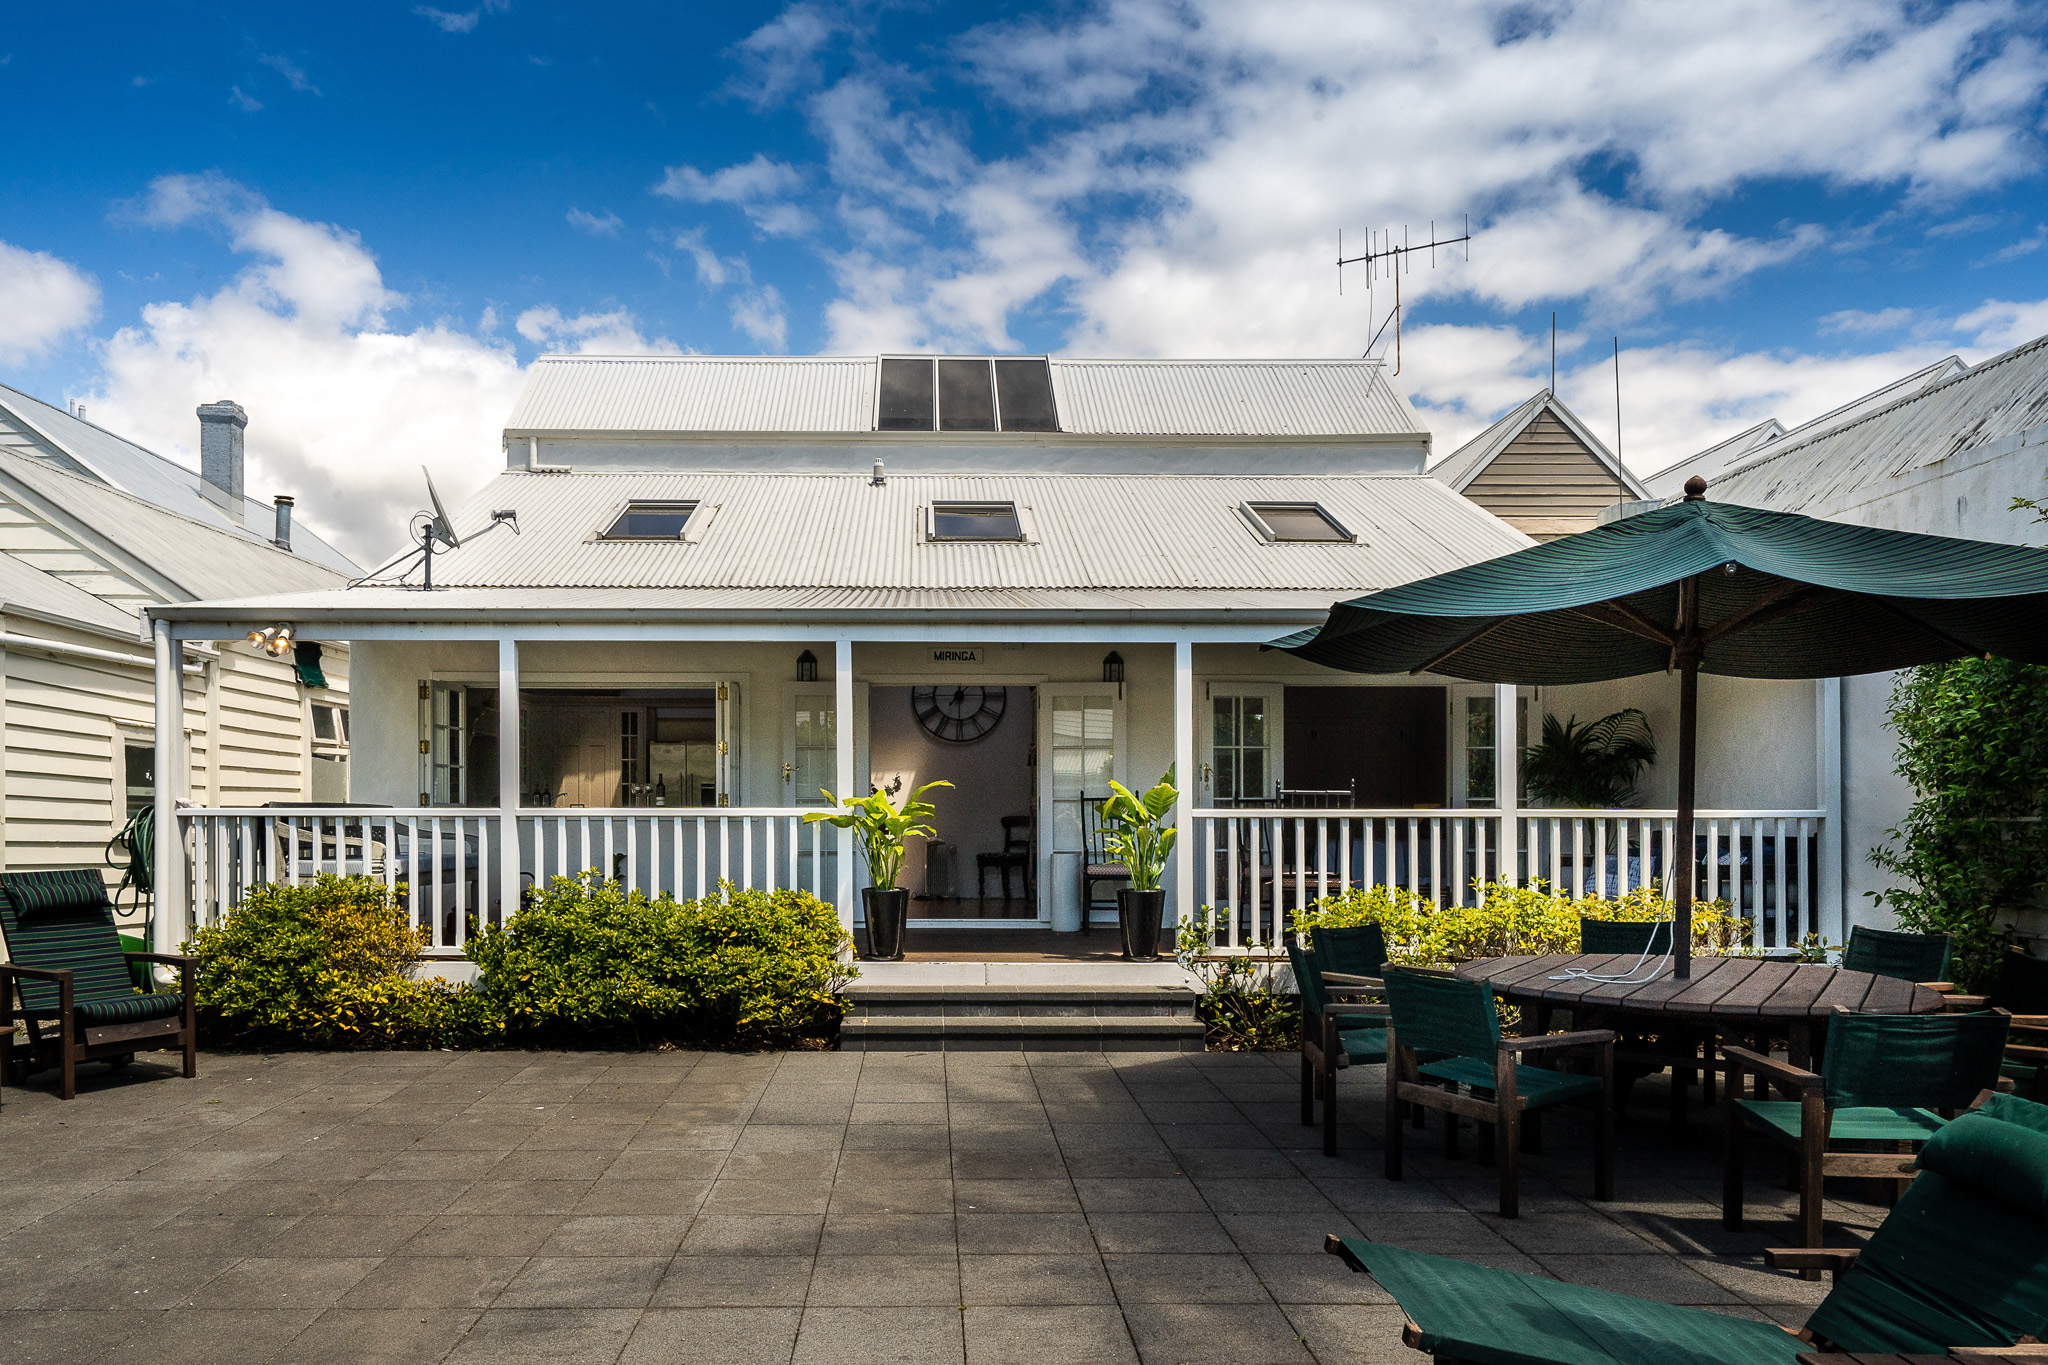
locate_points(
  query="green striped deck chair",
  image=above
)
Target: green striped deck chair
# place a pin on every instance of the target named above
(67, 977)
(1961, 1261)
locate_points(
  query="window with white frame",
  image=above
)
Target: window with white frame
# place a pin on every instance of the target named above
(1241, 743)
(975, 521)
(330, 753)
(1296, 522)
(650, 521)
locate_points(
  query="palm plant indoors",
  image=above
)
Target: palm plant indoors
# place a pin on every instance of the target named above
(1591, 767)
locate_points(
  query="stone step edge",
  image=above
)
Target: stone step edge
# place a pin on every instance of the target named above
(937, 1025)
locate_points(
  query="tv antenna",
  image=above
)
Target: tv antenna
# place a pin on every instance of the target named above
(431, 528)
(1383, 256)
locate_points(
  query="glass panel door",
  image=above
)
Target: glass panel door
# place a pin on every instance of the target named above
(1079, 736)
(447, 747)
(813, 747)
(1241, 733)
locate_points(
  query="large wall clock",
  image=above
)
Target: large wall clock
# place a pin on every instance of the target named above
(958, 714)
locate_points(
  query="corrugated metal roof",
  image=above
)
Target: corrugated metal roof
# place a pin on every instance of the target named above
(834, 394)
(555, 604)
(1819, 473)
(203, 560)
(1754, 443)
(24, 587)
(1090, 532)
(153, 478)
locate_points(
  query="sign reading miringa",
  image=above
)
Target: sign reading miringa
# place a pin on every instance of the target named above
(959, 656)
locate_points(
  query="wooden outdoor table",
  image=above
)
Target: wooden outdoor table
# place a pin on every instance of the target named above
(1748, 995)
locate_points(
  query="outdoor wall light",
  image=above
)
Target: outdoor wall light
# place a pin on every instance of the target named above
(275, 641)
(807, 667)
(1113, 667)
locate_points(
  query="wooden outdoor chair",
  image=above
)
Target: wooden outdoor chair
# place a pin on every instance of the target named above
(1640, 1052)
(1457, 1019)
(1096, 869)
(1016, 852)
(1888, 1079)
(2022, 988)
(71, 976)
(1921, 958)
(1334, 1035)
(1961, 1263)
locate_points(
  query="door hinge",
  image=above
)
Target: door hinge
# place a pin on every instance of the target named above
(789, 772)
(423, 746)
(721, 692)
(426, 690)
(724, 799)
(721, 748)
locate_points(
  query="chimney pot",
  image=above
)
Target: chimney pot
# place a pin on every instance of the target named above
(220, 455)
(283, 538)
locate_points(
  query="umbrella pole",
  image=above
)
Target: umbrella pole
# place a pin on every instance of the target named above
(1681, 855)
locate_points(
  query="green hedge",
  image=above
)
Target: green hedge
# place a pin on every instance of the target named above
(334, 963)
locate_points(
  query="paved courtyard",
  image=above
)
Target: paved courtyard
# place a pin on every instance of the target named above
(816, 1208)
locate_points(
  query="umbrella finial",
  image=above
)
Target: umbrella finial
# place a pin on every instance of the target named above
(1695, 488)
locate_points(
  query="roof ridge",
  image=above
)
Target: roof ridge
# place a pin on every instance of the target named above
(1981, 367)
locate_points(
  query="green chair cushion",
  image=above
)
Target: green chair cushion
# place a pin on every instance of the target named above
(2014, 1109)
(1779, 1120)
(1363, 1044)
(1500, 1317)
(61, 891)
(1538, 1087)
(82, 940)
(129, 1009)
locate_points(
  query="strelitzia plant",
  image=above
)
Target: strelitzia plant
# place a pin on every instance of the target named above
(879, 828)
(1132, 832)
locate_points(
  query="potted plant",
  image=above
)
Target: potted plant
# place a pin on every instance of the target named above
(879, 828)
(1590, 767)
(1134, 835)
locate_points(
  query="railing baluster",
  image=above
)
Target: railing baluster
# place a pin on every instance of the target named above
(746, 855)
(701, 822)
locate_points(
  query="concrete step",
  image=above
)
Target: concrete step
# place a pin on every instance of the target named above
(1066, 1017)
(1019, 1033)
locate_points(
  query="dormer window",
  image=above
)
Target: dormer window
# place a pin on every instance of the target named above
(1296, 521)
(958, 393)
(975, 521)
(651, 521)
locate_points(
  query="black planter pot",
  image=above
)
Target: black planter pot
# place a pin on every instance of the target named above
(1137, 913)
(886, 913)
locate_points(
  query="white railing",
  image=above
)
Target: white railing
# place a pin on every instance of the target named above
(1254, 867)
(446, 865)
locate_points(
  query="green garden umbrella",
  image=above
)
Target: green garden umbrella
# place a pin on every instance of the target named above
(1695, 586)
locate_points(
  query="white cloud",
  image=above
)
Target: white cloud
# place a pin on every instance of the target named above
(343, 406)
(759, 188)
(464, 21)
(613, 333)
(712, 269)
(293, 73)
(243, 101)
(606, 224)
(1855, 320)
(760, 314)
(1999, 324)
(43, 299)
(782, 55)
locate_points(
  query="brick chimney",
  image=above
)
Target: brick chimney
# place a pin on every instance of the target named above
(220, 455)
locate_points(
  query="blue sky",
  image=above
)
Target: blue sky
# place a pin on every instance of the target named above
(363, 223)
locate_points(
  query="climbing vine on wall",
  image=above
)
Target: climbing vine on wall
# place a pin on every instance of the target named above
(1973, 742)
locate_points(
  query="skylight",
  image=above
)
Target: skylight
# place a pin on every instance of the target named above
(975, 521)
(1296, 521)
(651, 521)
(965, 393)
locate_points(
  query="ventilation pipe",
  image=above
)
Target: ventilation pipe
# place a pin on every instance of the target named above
(880, 476)
(283, 538)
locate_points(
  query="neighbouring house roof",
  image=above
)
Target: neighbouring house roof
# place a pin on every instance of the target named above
(27, 590)
(1998, 400)
(196, 559)
(1540, 468)
(1753, 442)
(32, 428)
(724, 395)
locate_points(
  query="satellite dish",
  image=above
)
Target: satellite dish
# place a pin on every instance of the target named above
(446, 528)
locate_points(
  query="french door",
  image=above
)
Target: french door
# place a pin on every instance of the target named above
(1081, 747)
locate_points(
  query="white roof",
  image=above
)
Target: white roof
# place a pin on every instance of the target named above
(721, 395)
(26, 590)
(1084, 532)
(1768, 435)
(90, 450)
(1816, 473)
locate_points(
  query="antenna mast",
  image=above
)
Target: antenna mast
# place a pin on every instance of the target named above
(1382, 255)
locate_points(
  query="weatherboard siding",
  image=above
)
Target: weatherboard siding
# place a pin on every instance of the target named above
(1545, 483)
(33, 540)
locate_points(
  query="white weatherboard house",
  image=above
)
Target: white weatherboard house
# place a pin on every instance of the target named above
(736, 581)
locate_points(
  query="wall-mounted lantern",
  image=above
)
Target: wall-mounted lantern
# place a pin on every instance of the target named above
(807, 667)
(1113, 671)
